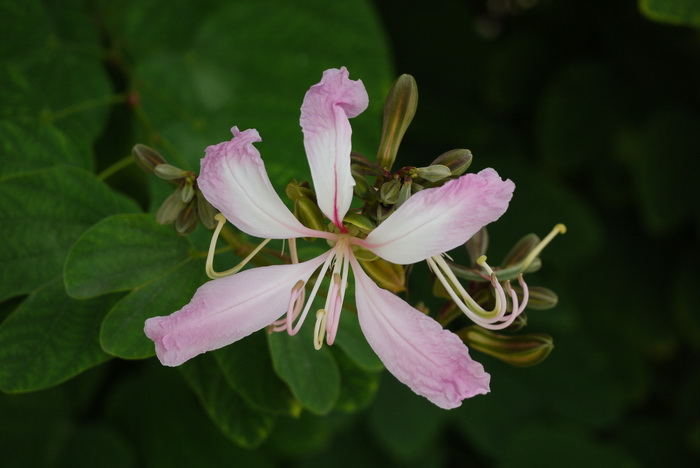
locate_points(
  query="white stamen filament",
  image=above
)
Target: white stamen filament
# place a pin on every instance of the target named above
(209, 267)
(320, 328)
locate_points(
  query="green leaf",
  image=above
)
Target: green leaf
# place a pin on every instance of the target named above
(245, 426)
(351, 340)
(27, 146)
(122, 252)
(680, 12)
(97, 444)
(122, 333)
(41, 215)
(50, 338)
(312, 375)
(358, 387)
(248, 368)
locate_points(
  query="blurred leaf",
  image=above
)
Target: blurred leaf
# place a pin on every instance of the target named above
(41, 215)
(28, 146)
(245, 426)
(312, 375)
(97, 444)
(300, 437)
(406, 425)
(50, 338)
(122, 333)
(248, 368)
(165, 424)
(357, 386)
(681, 12)
(122, 252)
(351, 340)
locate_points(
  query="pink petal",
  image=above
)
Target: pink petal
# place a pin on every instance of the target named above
(433, 362)
(439, 219)
(225, 310)
(324, 120)
(234, 180)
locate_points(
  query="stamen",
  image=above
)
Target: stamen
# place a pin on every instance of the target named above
(319, 328)
(296, 301)
(209, 267)
(558, 229)
(294, 329)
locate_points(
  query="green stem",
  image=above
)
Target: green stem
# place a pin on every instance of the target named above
(116, 167)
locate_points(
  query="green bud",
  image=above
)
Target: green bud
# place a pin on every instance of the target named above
(540, 298)
(519, 350)
(186, 220)
(362, 189)
(363, 223)
(364, 166)
(520, 250)
(168, 172)
(404, 193)
(434, 173)
(187, 192)
(456, 160)
(381, 212)
(146, 157)
(296, 190)
(478, 244)
(171, 207)
(389, 192)
(206, 212)
(387, 275)
(309, 214)
(399, 110)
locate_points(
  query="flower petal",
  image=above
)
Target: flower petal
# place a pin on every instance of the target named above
(233, 179)
(225, 310)
(324, 120)
(432, 361)
(439, 219)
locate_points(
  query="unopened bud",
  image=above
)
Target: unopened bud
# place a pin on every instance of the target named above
(386, 274)
(404, 193)
(363, 189)
(540, 298)
(363, 223)
(146, 157)
(519, 350)
(382, 211)
(171, 207)
(478, 244)
(296, 190)
(186, 221)
(206, 212)
(434, 173)
(309, 214)
(364, 166)
(187, 192)
(399, 110)
(169, 172)
(389, 192)
(520, 250)
(456, 160)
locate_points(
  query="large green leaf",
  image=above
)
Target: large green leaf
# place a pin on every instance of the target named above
(248, 368)
(351, 340)
(312, 375)
(41, 215)
(358, 386)
(682, 12)
(246, 426)
(122, 330)
(50, 338)
(122, 252)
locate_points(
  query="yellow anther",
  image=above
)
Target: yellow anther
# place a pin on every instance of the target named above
(320, 328)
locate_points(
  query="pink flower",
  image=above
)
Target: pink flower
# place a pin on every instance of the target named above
(432, 361)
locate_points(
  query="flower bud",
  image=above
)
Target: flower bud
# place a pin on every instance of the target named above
(147, 158)
(187, 192)
(363, 189)
(363, 223)
(171, 207)
(520, 250)
(296, 190)
(404, 193)
(364, 166)
(478, 244)
(456, 160)
(186, 220)
(389, 192)
(309, 214)
(518, 350)
(206, 212)
(387, 275)
(434, 172)
(540, 298)
(169, 172)
(399, 110)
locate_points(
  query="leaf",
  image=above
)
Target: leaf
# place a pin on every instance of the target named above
(358, 387)
(248, 368)
(245, 426)
(312, 375)
(97, 444)
(122, 333)
(50, 338)
(122, 252)
(41, 215)
(27, 146)
(351, 340)
(680, 12)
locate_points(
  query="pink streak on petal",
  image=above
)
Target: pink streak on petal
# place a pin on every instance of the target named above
(431, 361)
(234, 180)
(327, 138)
(439, 219)
(225, 310)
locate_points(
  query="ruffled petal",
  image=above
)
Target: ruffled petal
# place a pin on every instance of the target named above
(324, 120)
(433, 362)
(227, 309)
(234, 180)
(439, 219)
